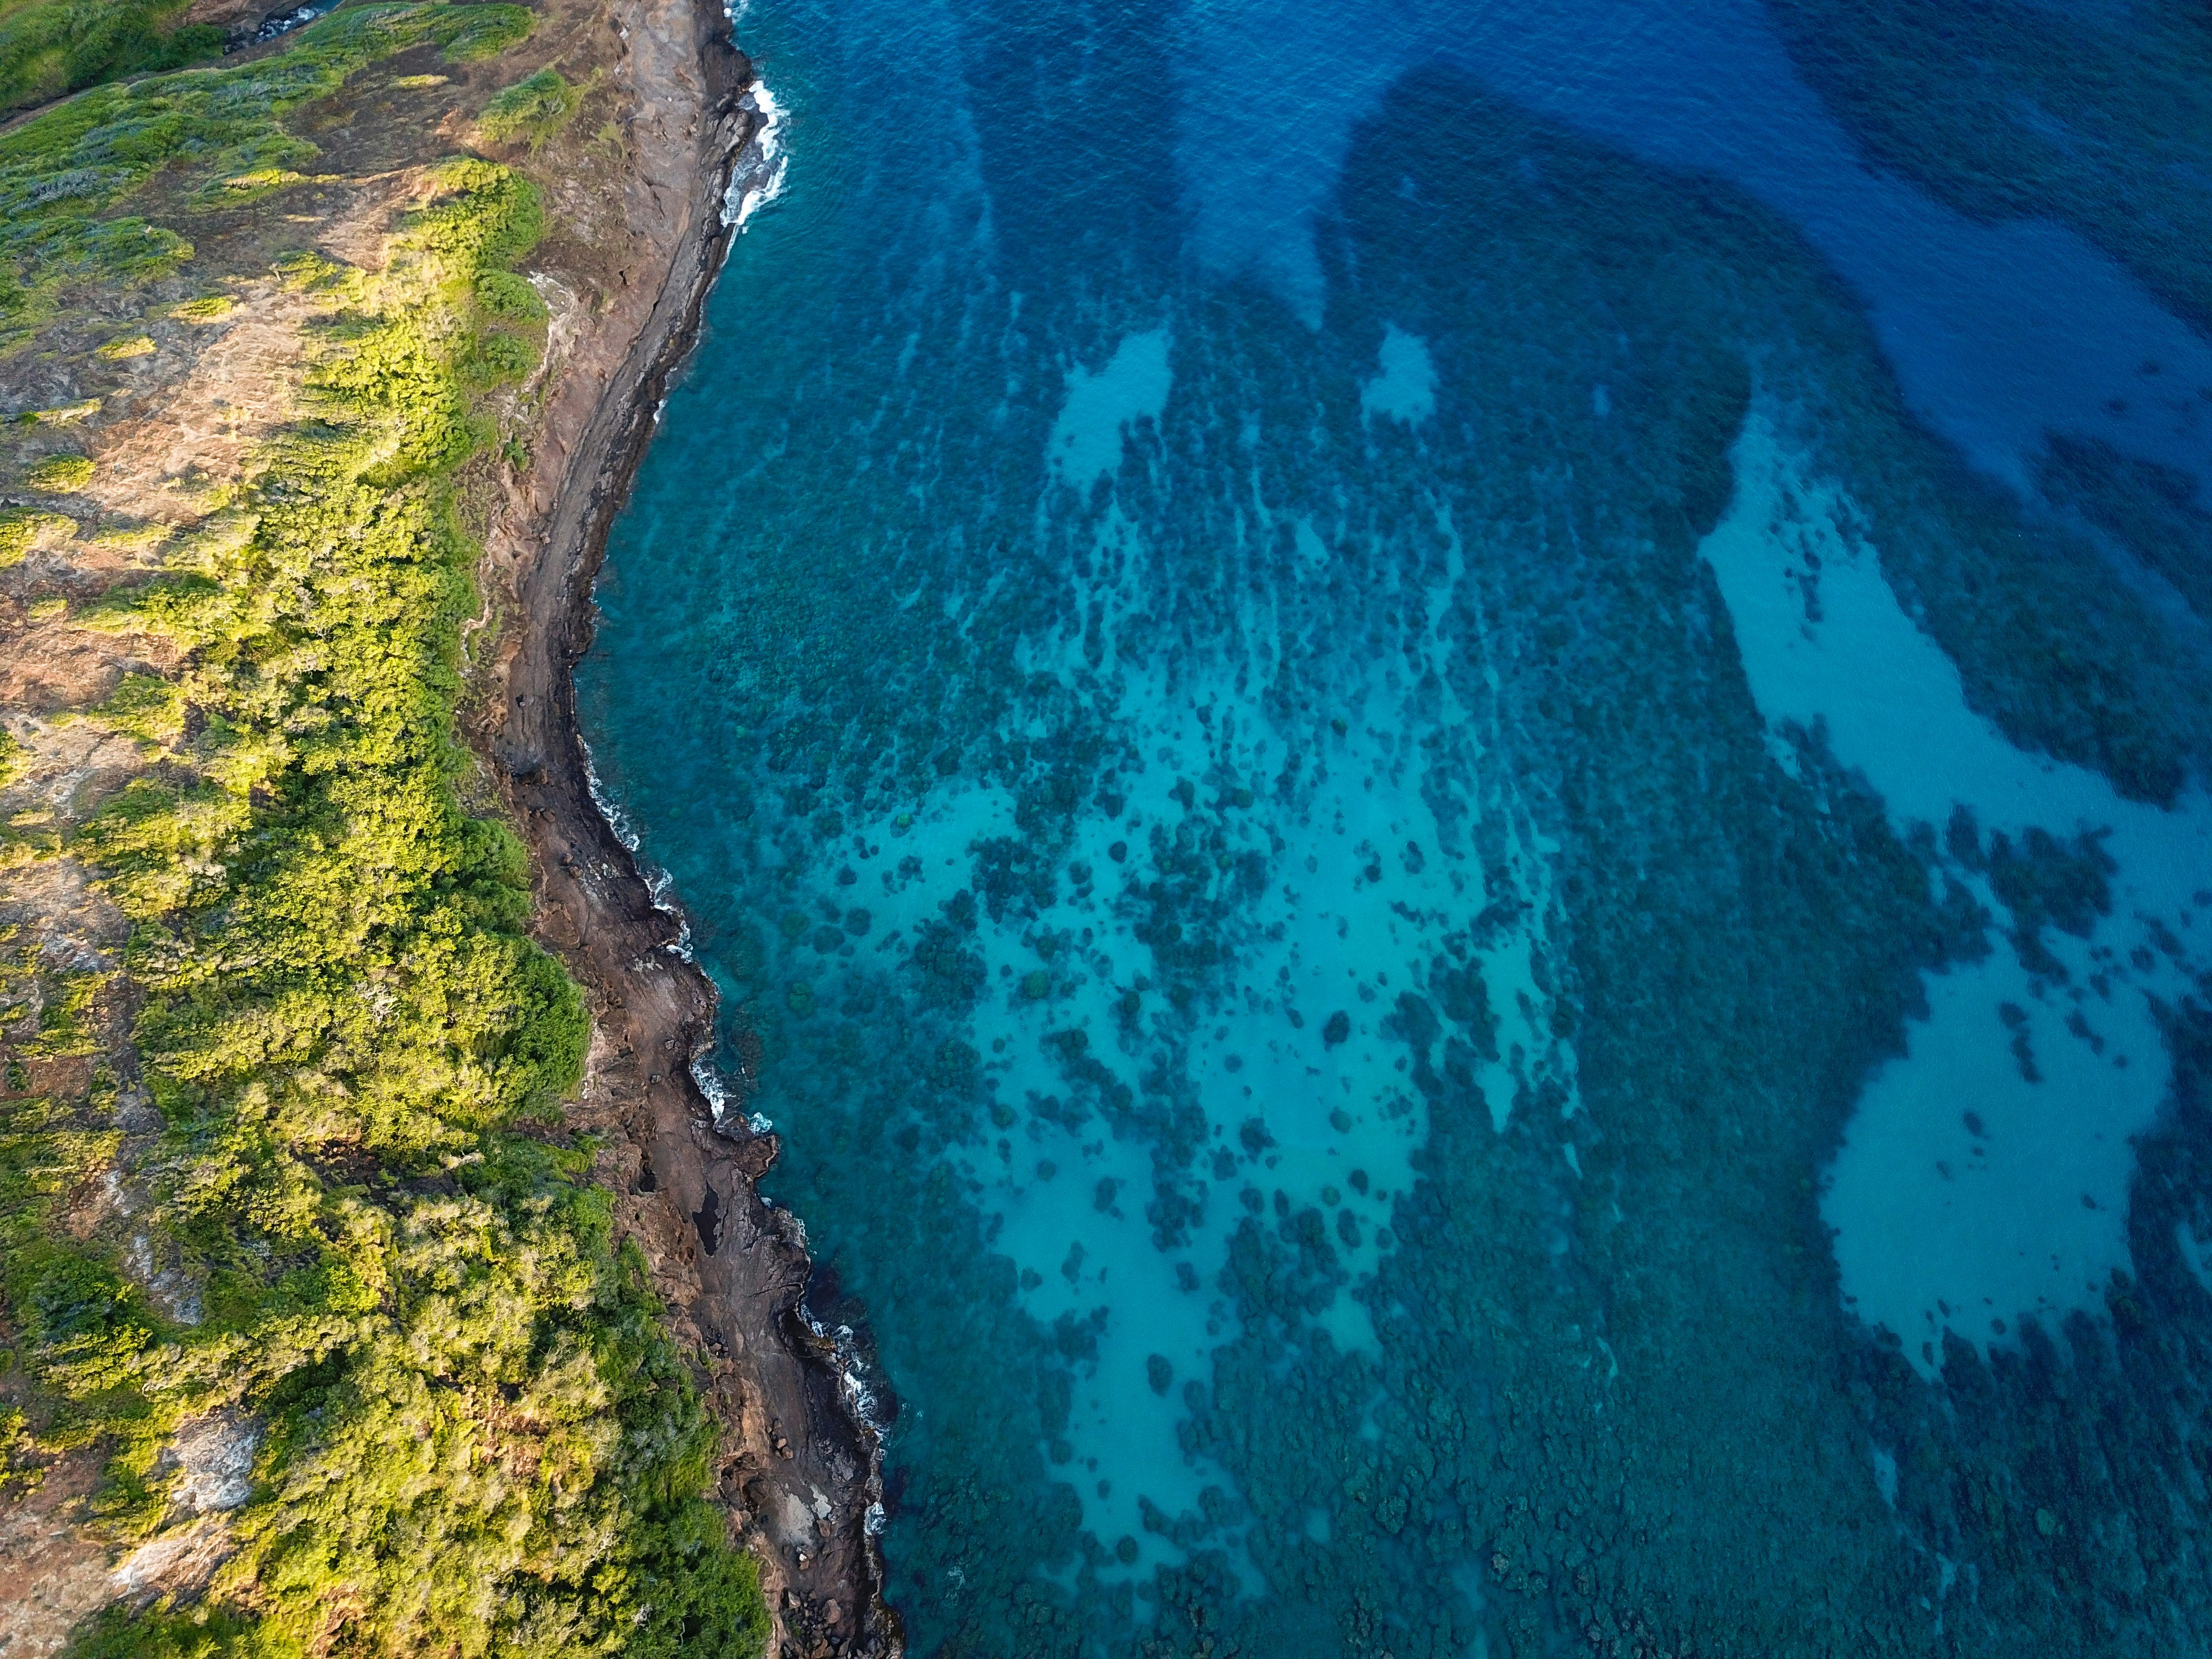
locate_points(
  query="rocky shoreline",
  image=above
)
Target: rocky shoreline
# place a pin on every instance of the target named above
(801, 1472)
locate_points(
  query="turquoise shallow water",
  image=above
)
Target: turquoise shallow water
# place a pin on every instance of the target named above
(1456, 792)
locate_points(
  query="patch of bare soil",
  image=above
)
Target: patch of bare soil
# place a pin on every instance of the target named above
(53, 1573)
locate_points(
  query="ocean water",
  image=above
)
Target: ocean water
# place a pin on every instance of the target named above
(1453, 795)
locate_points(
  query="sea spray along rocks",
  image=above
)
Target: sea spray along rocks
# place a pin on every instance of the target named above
(1310, 979)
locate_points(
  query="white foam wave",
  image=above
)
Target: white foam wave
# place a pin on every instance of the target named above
(758, 177)
(616, 820)
(285, 22)
(860, 1400)
(658, 885)
(852, 1372)
(658, 881)
(708, 1077)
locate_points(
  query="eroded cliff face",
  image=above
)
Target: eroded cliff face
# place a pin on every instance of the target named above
(138, 408)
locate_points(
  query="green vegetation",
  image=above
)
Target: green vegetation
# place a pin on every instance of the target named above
(48, 47)
(123, 538)
(530, 110)
(22, 529)
(60, 475)
(506, 296)
(64, 175)
(362, 1229)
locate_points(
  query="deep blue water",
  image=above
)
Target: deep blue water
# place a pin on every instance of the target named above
(1459, 790)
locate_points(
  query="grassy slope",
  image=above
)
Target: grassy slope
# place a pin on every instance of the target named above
(475, 1437)
(48, 47)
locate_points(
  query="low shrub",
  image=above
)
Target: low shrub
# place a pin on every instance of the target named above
(531, 111)
(504, 295)
(22, 529)
(208, 308)
(49, 47)
(60, 475)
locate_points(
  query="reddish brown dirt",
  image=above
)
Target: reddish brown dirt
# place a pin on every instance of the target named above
(51, 1574)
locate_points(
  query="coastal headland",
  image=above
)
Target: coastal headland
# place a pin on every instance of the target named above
(524, 213)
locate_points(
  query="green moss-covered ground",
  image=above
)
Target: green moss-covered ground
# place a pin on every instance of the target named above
(48, 47)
